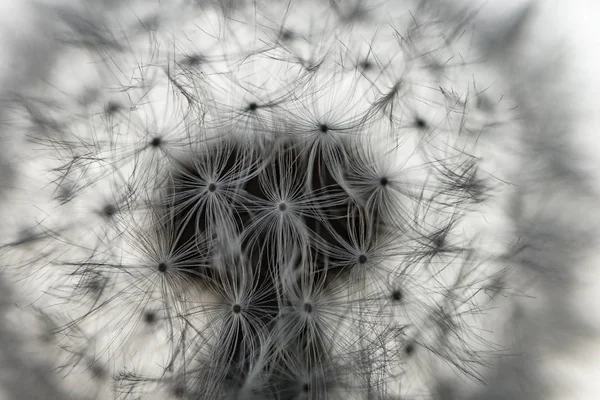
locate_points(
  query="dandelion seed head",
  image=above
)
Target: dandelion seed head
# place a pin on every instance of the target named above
(291, 197)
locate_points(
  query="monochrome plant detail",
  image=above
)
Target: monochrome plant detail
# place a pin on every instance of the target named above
(265, 200)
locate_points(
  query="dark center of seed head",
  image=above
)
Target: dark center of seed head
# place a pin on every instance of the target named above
(282, 206)
(305, 388)
(308, 307)
(323, 128)
(396, 295)
(212, 187)
(420, 123)
(252, 106)
(162, 267)
(383, 181)
(236, 308)
(362, 259)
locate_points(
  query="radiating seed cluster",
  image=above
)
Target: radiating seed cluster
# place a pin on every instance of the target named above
(263, 201)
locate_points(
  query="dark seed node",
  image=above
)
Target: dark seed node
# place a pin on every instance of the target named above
(97, 371)
(162, 267)
(179, 391)
(194, 59)
(112, 107)
(149, 317)
(236, 308)
(362, 259)
(383, 181)
(212, 187)
(439, 241)
(365, 65)
(156, 142)
(396, 295)
(282, 206)
(95, 285)
(109, 210)
(409, 349)
(323, 128)
(420, 123)
(308, 307)
(252, 106)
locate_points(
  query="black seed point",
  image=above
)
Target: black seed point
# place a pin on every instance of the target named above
(383, 181)
(109, 210)
(305, 388)
(287, 35)
(308, 307)
(156, 142)
(236, 308)
(439, 240)
(112, 107)
(409, 349)
(362, 259)
(179, 391)
(149, 317)
(420, 123)
(95, 285)
(194, 59)
(397, 295)
(162, 267)
(365, 65)
(98, 371)
(212, 187)
(252, 106)
(282, 206)
(323, 128)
